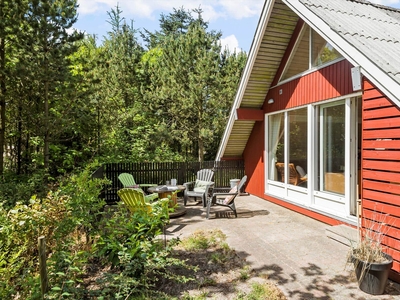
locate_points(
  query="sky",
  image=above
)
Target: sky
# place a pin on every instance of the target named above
(236, 19)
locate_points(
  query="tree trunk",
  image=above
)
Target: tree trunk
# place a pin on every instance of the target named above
(3, 91)
(19, 141)
(201, 149)
(46, 124)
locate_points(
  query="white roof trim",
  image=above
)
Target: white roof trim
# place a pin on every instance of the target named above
(378, 77)
(264, 18)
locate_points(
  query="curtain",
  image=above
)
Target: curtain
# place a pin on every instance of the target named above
(274, 136)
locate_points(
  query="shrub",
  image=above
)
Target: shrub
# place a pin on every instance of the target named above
(81, 235)
(132, 245)
(63, 216)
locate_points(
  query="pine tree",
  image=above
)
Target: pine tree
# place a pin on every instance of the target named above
(187, 83)
(49, 41)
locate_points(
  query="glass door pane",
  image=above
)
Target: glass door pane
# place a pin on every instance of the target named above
(298, 147)
(332, 149)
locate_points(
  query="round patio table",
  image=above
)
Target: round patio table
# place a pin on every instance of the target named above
(168, 190)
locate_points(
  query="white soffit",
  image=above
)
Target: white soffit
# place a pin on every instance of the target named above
(273, 35)
(264, 18)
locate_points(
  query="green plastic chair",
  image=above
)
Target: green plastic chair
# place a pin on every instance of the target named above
(135, 201)
(128, 181)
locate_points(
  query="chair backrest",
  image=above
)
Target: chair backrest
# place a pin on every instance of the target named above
(235, 191)
(294, 177)
(205, 175)
(241, 183)
(134, 200)
(126, 179)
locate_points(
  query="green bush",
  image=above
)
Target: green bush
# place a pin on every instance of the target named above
(63, 217)
(20, 188)
(134, 246)
(80, 236)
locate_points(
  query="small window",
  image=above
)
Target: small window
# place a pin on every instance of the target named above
(299, 61)
(322, 51)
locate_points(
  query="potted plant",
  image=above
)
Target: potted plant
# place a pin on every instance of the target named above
(371, 263)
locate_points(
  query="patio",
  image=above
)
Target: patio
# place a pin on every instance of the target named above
(292, 249)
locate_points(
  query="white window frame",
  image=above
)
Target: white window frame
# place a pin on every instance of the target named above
(309, 197)
(311, 68)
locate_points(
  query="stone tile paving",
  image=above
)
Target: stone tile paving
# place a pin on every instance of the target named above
(291, 248)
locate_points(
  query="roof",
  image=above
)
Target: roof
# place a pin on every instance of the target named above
(366, 34)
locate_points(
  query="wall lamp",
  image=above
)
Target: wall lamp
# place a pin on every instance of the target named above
(271, 101)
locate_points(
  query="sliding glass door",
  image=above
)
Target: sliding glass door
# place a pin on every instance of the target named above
(312, 156)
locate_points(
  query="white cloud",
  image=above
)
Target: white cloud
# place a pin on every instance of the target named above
(212, 10)
(241, 8)
(231, 43)
(88, 6)
(386, 2)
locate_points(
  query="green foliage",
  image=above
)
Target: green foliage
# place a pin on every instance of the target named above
(262, 291)
(130, 233)
(191, 84)
(63, 217)
(20, 188)
(71, 100)
(132, 246)
(79, 234)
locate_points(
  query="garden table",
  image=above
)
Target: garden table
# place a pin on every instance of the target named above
(164, 191)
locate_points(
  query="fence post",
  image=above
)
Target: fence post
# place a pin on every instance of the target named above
(43, 265)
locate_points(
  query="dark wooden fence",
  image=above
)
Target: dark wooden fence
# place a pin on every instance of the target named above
(159, 173)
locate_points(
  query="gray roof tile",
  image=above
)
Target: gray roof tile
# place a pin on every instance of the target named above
(373, 29)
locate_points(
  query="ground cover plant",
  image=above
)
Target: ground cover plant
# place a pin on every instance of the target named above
(218, 271)
(95, 251)
(83, 241)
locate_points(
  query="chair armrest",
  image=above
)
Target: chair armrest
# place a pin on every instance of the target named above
(151, 197)
(222, 189)
(189, 185)
(147, 184)
(209, 189)
(224, 194)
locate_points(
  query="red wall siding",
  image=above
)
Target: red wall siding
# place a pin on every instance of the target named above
(381, 167)
(330, 82)
(254, 161)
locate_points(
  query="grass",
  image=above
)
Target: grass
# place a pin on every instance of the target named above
(245, 273)
(262, 291)
(202, 296)
(212, 247)
(202, 240)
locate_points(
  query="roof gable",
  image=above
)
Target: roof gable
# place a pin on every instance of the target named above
(366, 34)
(268, 47)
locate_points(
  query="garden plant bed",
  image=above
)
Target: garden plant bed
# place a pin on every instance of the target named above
(219, 272)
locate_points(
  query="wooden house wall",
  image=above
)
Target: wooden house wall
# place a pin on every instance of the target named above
(381, 168)
(326, 83)
(254, 161)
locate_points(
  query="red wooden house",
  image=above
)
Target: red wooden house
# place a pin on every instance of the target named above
(319, 101)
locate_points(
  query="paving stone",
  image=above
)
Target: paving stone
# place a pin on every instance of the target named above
(294, 250)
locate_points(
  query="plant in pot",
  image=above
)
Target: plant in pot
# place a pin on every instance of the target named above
(371, 263)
